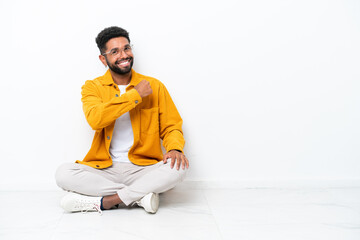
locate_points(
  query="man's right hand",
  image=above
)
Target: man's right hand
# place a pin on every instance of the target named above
(143, 88)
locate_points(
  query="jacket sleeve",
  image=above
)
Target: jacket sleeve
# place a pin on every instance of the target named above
(100, 114)
(170, 122)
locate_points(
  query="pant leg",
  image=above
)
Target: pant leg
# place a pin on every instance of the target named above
(86, 180)
(129, 181)
(157, 178)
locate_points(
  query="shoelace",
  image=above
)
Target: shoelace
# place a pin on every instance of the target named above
(86, 207)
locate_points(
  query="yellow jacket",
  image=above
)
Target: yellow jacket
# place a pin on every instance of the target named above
(153, 118)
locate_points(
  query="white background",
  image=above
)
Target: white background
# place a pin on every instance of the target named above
(268, 90)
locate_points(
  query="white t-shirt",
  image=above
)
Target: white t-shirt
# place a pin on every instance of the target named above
(123, 136)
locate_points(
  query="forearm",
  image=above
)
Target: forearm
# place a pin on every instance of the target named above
(101, 114)
(170, 123)
(174, 140)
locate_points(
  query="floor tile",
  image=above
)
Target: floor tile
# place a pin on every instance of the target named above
(285, 213)
(29, 215)
(182, 215)
(192, 213)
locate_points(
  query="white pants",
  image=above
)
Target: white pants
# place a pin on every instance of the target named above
(131, 182)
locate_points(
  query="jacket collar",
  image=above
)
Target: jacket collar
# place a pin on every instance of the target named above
(108, 80)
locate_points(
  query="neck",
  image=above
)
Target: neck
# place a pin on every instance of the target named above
(121, 79)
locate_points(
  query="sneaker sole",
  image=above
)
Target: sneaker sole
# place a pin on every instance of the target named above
(154, 202)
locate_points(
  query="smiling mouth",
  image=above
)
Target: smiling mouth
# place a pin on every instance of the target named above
(123, 62)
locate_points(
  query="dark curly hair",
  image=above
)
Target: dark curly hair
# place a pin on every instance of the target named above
(108, 33)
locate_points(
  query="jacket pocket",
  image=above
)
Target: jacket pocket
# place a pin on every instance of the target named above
(150, 120)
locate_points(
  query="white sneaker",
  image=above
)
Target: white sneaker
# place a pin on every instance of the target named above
(73, 202)
(150, 202)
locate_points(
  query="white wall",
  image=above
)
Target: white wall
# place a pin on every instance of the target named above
(268, 90)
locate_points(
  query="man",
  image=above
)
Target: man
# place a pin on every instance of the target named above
(130, 113)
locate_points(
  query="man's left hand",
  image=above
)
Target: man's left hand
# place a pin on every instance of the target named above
(178, 158)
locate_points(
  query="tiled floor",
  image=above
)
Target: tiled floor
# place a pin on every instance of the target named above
(192, 213)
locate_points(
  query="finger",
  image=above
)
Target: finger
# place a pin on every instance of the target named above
(168, 157)
(183, 162)
(172, 162)
(186, 161)
(178, 161)
(165, 157)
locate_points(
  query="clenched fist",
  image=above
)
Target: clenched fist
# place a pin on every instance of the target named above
(143, 88)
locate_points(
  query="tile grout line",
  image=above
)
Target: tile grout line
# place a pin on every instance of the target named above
(212, 214)
(57, 225)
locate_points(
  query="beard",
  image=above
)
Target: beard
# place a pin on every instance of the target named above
(118, 70)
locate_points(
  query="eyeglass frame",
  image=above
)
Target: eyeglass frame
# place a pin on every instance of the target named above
(130, 46)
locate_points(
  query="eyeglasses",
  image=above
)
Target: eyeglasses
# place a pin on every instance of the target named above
(117, 51)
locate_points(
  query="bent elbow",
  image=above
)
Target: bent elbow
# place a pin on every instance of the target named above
(94, 121)
(95, 126)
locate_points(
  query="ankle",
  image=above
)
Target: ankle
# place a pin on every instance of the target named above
(102, 204)
(108, 202)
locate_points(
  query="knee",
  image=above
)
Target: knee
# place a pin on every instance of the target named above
(177, 175)
(182, 173)
(62, 175)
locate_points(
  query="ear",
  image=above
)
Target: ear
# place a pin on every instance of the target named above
(103, 60)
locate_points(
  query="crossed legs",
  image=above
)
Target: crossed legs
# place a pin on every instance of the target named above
(121, 183)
